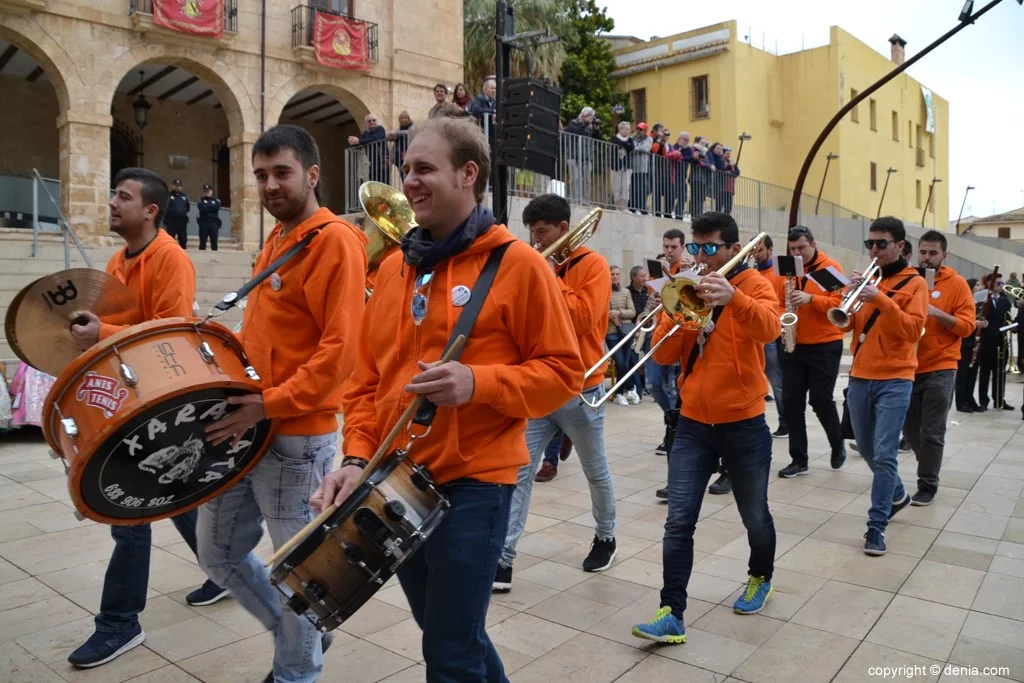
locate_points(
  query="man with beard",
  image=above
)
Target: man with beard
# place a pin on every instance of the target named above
(299, 330)
(163, 280)
(950, 320)
(520, 361)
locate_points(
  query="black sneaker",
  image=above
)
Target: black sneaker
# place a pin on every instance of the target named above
(103, 647)
(601, 555)
(781, 433)
(838, 458)
(874, 543)
(922, 498)
(662, 449)
(792, 470)
(899, 505)
(1007, 406)
(722, 485)
(661, 494)
(502, 580)
(207, 594)
(904, 445)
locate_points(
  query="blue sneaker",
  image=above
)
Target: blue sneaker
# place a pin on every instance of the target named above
(753, 599)
(207, 594)
(664, 628)
(875, 542)
(103, 647)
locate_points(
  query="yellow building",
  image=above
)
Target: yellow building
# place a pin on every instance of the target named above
(710, 82)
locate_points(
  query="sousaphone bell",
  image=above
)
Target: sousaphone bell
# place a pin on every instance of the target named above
(392, 217)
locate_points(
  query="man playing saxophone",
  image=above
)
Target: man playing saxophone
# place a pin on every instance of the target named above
(813, 366)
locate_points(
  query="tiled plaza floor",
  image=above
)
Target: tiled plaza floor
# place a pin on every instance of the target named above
(950, 590)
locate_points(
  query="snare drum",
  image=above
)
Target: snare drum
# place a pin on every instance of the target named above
(340, 566)
(129, 415)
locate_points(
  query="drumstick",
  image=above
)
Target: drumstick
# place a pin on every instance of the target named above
(382, 450)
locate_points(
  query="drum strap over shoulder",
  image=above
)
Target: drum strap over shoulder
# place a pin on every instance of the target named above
(464, 325)
(233, 298)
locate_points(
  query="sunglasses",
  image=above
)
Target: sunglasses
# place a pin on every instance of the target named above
(710, 248)
(420, 297)
(881, 244)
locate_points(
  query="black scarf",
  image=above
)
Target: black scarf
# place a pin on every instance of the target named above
(893, 268)
(423, 253)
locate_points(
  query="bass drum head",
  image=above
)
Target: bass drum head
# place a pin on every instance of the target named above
(160, 464)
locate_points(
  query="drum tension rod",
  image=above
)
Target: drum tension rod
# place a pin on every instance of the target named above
(205, 351)
(127, 372)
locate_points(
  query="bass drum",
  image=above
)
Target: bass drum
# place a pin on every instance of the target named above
(128, 418)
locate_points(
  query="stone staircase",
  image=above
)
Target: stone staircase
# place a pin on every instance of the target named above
(217, 273)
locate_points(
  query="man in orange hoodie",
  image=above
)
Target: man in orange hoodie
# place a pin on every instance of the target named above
(585, 282)
(521, 361)
(722, 390)
(951, 319)
(886, 331)
(160, 275)
(810, 372)
(299, 330)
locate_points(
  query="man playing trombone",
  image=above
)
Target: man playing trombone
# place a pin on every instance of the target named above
(584, 281)
(886, 309)
(722, 391)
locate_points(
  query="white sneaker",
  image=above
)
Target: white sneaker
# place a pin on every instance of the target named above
(632, 397)
(621, 400)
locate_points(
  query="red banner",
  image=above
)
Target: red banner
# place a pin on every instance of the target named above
(199, 17)
(341, 42)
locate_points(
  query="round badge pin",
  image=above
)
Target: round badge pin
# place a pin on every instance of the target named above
(275, 282)
(936, 294)
(460, 295)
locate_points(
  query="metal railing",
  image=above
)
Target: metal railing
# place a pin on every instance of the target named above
(230, 12)
(66, 230)
(304, 24)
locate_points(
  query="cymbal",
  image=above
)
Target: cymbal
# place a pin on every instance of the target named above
(38, 323)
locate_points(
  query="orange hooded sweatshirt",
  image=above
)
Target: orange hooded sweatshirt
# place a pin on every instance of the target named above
(300, 337)
(939, 348)
(890, 347)
(162, 278)
(587, 289)
(522, 352)
(728, 383)
(813, 326)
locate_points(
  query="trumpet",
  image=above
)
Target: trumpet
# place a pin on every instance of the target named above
(788, 320)
(840, 316)
(679, 300)
(562, 249)
(392, 217)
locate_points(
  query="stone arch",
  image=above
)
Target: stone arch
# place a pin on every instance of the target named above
(231, 91)
(313, 81)
(25, 34)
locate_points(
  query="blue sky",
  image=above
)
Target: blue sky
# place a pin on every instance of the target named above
(980, 70)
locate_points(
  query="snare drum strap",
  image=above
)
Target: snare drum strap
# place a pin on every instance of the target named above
(464, 325)
(233, 298)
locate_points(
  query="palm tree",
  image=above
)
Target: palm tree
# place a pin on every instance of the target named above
(478, 41)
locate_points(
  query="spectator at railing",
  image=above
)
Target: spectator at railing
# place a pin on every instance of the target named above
(484, 104)
(717, 164)
(660, 173)
(700, 176)
(579, 152)
(640, 184)
(401, 139)
(451, 110)
(374, 142)
(731, 171)
(621, 165)
(461, 96)
(440, 95)
(681, 155)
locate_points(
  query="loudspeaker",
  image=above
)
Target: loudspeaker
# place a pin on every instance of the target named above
(527, 135)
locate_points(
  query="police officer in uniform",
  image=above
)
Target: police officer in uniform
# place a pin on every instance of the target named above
(176, 218)
(209, 218)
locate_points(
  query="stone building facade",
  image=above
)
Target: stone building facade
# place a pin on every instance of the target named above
(80, 72)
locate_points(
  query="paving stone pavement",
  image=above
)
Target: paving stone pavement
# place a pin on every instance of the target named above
(949, 593)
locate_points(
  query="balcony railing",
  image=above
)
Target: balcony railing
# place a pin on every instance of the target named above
(304, 23)
(230, 12)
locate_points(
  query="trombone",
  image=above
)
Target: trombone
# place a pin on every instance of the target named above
(562, 249)
(840, 315)
(392, 217)
(679, 300)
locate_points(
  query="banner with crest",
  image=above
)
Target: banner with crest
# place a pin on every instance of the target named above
(341, 42)
(199, 17)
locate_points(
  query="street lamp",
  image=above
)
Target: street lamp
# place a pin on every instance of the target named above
(141, 107)
(743, 136)
(828, 160)
(969, 188)
(888, 173)
(931, 189)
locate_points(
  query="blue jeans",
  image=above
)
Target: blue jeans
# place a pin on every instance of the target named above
(127, 577)
(277, 491)
(773, 370)
(745, 448)
(661, 380)
(585, 428)
(448, 583)
(554, 448)
(623, 363)
(877, 411)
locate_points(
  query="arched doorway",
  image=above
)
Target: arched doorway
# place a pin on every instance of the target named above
(125, 148)
(29, 116)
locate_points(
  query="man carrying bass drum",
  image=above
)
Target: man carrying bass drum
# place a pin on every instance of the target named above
(520, 361)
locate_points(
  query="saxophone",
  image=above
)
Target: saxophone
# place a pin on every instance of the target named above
(788, 321)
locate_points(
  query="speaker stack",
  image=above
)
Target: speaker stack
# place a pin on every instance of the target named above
(527, 135)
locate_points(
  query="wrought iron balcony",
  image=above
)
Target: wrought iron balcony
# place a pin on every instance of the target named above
(304, 24)
(145, 7)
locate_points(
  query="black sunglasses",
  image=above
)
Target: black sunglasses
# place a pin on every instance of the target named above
(710, 248)
(881, 244)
